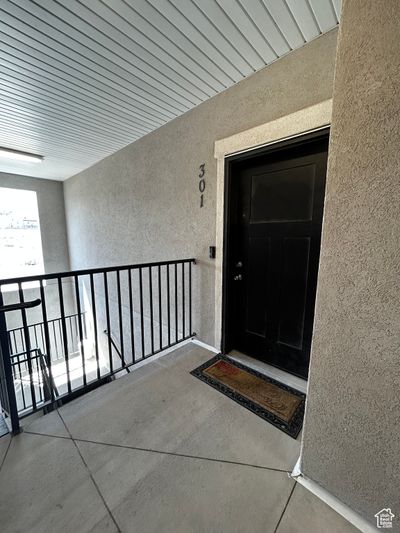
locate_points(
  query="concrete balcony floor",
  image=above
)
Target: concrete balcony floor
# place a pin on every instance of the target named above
(156, 451)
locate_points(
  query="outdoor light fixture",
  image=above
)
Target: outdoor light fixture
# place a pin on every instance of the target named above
(16, 155)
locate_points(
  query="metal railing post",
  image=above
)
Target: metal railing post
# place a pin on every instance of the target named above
(6, 374)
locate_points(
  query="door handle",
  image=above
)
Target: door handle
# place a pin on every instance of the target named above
(22, 305)
(239, 277)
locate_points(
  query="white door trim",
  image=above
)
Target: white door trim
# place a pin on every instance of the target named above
(299, 123)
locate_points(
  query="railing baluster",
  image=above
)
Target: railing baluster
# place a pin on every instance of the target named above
(43, 345)
(168, 308)
(151, 309)
(40, 381)
(23, 347)
(159, 306)
(18, 358)
(141, 311)
(84, 325)
(96, 339)
(176, 302)
(64, 337)
(46, 334)
(108, 322)
(72, 336)
(35, 333)
(121, 329)
(27, 345)
(55, 340)
(190, 298)
(7, 370)
(60, 336)
(79, 319)
(131, 315)
(15, 343)
(76, 320)
(17, 374)
(183, 300)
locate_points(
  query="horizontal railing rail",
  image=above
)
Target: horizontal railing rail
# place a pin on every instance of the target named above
(143, 308)
(68, 274)
(19, 306)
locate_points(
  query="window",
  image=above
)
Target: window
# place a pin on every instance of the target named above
(21, 251)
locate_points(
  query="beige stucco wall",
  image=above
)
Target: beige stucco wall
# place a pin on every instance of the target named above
(351, 436)
(142, 203)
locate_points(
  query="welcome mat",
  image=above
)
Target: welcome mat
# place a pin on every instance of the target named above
(275, 402)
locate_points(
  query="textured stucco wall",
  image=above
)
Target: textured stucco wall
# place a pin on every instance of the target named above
(351, 436)
(142, 203)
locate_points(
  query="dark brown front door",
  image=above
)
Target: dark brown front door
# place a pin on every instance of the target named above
(275, 217)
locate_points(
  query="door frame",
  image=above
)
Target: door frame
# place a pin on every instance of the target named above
(229, 215)
(313, 119)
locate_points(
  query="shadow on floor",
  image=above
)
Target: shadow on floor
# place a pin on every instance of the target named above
(156, 451)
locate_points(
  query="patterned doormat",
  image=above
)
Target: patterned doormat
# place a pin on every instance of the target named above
(275, 402)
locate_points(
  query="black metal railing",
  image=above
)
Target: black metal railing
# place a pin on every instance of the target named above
(116, 348)
(143, 309)
(37, 336)
(33, 382)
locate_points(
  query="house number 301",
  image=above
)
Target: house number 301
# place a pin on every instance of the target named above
(202, 183)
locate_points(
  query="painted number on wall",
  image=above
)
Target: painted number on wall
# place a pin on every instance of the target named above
(202, 183)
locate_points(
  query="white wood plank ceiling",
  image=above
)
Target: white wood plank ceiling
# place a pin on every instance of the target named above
(81, 79)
